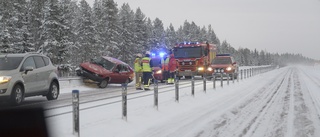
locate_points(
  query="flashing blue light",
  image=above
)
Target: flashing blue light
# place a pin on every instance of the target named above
(161, 54)
(153, 54)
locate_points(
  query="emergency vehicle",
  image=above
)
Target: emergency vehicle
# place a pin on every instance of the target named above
(193, 58)
(156, 63)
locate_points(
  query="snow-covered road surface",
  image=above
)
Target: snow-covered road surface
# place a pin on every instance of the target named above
(280, 103)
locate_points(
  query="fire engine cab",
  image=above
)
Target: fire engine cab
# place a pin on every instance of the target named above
(193, 58)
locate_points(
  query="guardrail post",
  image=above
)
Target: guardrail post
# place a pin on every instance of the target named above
(176, 87)
(232, 77)
(204, 82)
(245, 73)
(214, 80)
(228, 77)
(241, 71)
(237, 76)
(156, 93)
(192, 85)
(221, 79)
(76, 118)
(124, 101)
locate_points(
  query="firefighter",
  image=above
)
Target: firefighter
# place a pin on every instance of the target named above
(138, 71)
(164, 67)
(172, 66)
(146, 70)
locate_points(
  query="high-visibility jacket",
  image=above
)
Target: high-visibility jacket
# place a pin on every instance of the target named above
(165, 63)
(137, 65)
(145, 63)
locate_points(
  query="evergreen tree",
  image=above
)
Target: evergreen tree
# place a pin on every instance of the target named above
(171, 38)
(158, 35)
(150, 36)
(86, 40)
(36, 8)
(112, 29)
(140, 31)
(100, 26)
(127, 35)
(212, 38)
(54, 36)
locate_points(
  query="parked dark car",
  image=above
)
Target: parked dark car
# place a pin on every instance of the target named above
(106, 70)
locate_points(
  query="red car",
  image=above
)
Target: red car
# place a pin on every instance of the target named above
(224, 64)
(105, 70)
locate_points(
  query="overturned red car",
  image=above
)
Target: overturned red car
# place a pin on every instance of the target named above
(106, 70)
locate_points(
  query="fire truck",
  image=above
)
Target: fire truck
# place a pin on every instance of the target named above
(193, 58)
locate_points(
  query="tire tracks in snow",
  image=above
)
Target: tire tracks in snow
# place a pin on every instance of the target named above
(244, 119)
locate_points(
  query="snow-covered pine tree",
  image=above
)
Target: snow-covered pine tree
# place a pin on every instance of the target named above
(127, 35)
(86, 40)
(54, 33)
(140, 31)
(171, 37)
(212, 38)
(35, 21)
(158, 37)
(68, 14)
(112, 31)
(149, 30)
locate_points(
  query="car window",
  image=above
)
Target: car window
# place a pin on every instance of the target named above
(46, 60)
(103, 62)
(10, 63)
(29, 62)
(39, 61)
(124, 68)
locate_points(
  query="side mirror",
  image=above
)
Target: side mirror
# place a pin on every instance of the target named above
(27, 69)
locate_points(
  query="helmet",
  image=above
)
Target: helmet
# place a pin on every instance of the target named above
(139, 55)
(148, 52)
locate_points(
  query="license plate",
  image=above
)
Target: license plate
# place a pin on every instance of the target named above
(188, 70)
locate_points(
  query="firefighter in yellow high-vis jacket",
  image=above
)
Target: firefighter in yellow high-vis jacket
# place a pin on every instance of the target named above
(138, 71)
(146, 70)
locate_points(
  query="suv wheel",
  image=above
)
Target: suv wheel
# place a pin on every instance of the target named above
(103, 83)
(17, 95)
(53, 91)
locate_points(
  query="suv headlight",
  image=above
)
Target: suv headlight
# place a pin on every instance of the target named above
(200, 69)
(159, 72)
(4, 79)
(228, 68)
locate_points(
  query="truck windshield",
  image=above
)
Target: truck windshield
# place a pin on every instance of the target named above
(221, 61)
(10, 63)
(188, 52)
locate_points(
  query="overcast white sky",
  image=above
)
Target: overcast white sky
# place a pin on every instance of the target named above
(278, 26)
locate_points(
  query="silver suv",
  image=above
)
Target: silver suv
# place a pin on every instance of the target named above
(27, 74)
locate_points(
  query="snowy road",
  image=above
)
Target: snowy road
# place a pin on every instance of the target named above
(280, 103)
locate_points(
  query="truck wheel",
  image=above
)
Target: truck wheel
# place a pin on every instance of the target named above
(16, 95)
(53, 91)
(103, 83)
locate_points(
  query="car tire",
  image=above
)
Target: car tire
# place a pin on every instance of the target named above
(53, 91)
(103, 84)
(17, 95)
